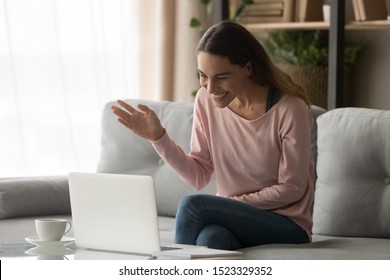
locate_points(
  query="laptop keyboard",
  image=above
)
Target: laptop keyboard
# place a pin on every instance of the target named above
(168, 248)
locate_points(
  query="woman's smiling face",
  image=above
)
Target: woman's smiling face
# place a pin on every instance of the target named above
(223, 80)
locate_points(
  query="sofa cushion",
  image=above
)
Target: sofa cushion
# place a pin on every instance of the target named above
(323, 248)
(352, 195)
(315, 111)
(34, 196)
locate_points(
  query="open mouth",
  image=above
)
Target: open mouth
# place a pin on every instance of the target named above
(220, 95)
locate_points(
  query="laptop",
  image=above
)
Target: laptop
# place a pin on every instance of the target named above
(115, 212)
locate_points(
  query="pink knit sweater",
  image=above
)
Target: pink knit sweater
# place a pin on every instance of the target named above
(265, 162)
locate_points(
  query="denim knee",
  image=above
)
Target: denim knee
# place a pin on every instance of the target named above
(217, 237)
(189, 219)
(190, 202)
(186, 201)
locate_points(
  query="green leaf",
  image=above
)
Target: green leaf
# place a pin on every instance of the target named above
(206, 2)
(304, 48)
(239, 11)
(194, 22)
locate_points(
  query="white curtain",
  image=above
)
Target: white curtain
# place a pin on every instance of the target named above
(62, 60)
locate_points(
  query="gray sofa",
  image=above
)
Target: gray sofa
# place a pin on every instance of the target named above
(351, 209)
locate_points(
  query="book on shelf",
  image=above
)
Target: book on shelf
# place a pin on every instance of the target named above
(356, 10)
(262, 19)
(388, 9)
(309, 10)
(266, 2)
(264, 7)
(369, 9)
(288, 10)
(263, 11)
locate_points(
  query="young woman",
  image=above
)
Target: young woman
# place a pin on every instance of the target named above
(251, 129)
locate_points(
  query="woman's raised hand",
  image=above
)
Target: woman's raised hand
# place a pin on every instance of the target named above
(143, 122)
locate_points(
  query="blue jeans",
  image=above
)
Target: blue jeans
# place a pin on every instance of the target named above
(224, 223)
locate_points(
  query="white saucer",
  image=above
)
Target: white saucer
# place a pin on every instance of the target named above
(36, 241)
(49, 252)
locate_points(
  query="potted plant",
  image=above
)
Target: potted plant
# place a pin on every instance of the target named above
(304, 56)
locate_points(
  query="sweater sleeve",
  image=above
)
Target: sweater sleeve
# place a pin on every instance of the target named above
(294, 164)
(195, 168)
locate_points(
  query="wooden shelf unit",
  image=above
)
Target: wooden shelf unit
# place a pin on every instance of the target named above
(337, 27)
(367, 25)
(354, 25)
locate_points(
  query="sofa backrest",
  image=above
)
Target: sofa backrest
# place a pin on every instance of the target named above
(352, 195)
(124, 152)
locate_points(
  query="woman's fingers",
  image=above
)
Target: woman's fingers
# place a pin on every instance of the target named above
(128, 116)
(125, 111)
(125, 123)
(121, 113)
(128, 107)
(144, 108)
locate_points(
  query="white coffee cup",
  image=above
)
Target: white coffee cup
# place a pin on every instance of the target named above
(52, 229)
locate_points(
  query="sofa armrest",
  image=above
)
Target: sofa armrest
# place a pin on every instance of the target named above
(352, 196)
(33, 196)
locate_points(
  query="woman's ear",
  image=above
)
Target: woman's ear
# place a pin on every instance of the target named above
(248, 68)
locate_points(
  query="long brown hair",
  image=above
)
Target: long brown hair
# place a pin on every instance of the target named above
(235, 42)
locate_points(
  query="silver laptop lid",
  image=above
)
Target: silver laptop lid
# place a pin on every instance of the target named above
(114, 212)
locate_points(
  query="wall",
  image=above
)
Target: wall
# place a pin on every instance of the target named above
(370, 77)
(186, 80)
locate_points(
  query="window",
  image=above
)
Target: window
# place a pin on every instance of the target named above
(60, 62)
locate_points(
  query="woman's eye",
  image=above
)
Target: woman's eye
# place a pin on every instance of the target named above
(222, 77)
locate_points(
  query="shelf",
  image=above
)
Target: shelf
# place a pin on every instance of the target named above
(256, 27)
(355, 25)
(367, 25)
